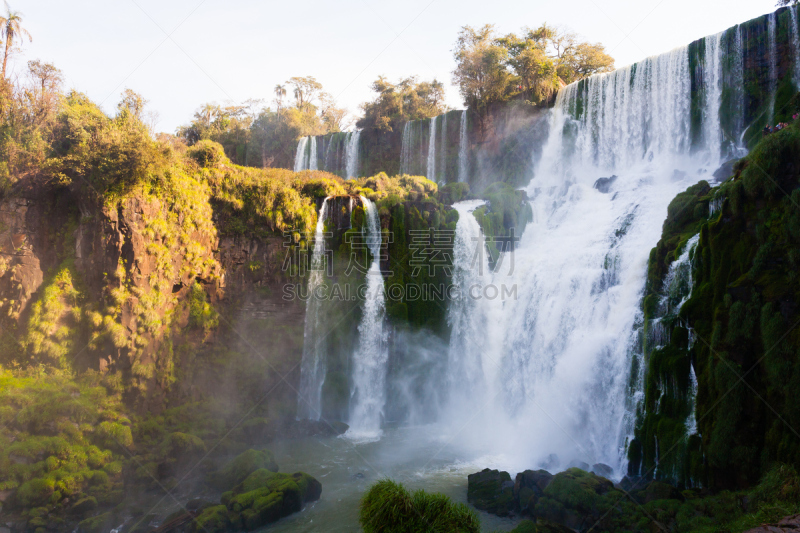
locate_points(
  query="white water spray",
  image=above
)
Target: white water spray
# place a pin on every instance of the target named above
(368, 393)
(312, 157)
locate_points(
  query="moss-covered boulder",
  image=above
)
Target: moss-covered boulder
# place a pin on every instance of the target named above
(237, 470)
(577, 499)
(491, 491)
(263, 497)
(529, 486)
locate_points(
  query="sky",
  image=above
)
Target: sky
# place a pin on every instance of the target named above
(180, 54)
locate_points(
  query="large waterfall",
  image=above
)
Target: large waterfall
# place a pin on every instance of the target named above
(313, 367)
(544, 375)
(555, 366)
(368, 396)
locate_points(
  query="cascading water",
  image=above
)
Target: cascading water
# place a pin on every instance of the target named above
(712, 74)
(351, 154)
(368, 392)
(431, 170)
(312, 366)
(300, 156)
(443, 151)
(564, 352)
(467, 372)
(795, 30)
(312, 157)
(773, 64)
(405, 150)
(462, 148)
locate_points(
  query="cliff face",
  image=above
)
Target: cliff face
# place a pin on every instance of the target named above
(725, 328)
(123, 286)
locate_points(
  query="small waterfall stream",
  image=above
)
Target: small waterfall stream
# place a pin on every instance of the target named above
(430, 173)
(351, 155)
(368, 392)
(313, 367)
(300, 155)
(462, 149)
(773, 64)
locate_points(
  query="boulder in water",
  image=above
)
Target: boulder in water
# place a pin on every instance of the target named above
(491, 491)
(604, 184)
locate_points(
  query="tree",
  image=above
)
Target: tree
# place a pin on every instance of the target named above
(305, 89)
(480, 73)
(133, 103)
(280, 94)
(397, 103)
(11, 29)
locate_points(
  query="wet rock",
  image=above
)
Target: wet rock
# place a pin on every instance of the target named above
(789, 524)
(604, 184)
(491, 491)
(241, 467)
(529, 487)
(725, 171)
(602, 470)
(576, 499)
(579, 464)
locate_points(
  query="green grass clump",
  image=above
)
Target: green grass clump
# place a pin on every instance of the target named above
(389, 508)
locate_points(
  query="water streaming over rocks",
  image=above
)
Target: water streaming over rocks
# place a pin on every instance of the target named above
(313, 367)
(368, 391)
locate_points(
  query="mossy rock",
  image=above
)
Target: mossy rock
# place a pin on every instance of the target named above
(491, 491)
(265, 497)
(212, 520)
(236, 471)
(96, 524)
(576, 497)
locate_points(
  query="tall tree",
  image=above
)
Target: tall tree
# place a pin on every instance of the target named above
(400, 102)
(11, 30)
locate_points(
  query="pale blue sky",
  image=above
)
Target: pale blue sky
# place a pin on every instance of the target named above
(228, 51)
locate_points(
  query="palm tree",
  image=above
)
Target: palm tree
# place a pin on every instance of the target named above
(11, 29)
(280, 93)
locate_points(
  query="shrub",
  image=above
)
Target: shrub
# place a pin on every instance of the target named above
(207, 153)
(389, 508)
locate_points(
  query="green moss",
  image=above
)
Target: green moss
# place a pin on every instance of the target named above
(388, 507)
(237, 470)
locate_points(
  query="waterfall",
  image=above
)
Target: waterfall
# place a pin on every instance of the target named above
(795, 31)
(467, 372)
(443, 151)
(556, 377)
(736, 83)
(312, 366)
(773, 65)
(405, 150)
(712, 73)
(351, 155)
(300, 156)
(368, 392)
(312, 158)
(462, 149)
(431, 171)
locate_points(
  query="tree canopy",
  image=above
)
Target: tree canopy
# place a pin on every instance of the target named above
(397, 103)
(531, 65)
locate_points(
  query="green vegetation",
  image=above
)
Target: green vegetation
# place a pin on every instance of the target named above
(503, 218)
(258, 136)
(743, 313)
(388, 507)
(401, 102)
